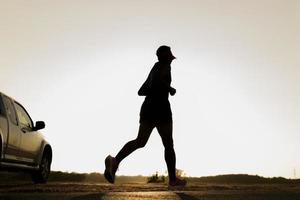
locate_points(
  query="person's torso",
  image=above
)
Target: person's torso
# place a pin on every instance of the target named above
(156, 105)
(160, 82)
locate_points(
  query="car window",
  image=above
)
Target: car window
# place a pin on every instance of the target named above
(10, 110)
(23, 117)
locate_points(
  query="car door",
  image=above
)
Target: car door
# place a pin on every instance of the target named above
(30, 141)
(15, 134)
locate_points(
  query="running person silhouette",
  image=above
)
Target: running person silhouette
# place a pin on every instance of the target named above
(155, 113)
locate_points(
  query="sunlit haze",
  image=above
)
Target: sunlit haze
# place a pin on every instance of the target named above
(78, 65)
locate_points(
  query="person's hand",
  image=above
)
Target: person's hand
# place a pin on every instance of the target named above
(172, 91)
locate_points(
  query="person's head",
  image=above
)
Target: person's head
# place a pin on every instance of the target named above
(164, 54)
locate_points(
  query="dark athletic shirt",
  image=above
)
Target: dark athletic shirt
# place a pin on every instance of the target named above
(156, 106)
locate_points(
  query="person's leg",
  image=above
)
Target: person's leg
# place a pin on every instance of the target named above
(112, 163)
(165, 131)
(145, 130)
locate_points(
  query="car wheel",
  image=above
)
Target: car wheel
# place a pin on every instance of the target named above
(0, 148)
(42, 174)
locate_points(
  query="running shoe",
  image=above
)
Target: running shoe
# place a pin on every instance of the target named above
(177, 183)
(111, 166)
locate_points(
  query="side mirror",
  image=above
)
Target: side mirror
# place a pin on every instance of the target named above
(39, 125)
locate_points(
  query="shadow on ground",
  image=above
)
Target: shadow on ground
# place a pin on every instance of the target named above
(184, 196)
(96, 196)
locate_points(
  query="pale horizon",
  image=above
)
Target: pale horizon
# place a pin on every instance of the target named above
(237, 107)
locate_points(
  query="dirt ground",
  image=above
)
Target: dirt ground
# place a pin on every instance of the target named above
(140, 191)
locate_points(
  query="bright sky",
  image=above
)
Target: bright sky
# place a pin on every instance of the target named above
(77, 65)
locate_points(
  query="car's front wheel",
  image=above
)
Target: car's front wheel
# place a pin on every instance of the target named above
(42, 174)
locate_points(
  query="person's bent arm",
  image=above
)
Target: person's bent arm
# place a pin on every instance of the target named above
(146, 87)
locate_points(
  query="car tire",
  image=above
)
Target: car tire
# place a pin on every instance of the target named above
(42, 174)
(0, 148)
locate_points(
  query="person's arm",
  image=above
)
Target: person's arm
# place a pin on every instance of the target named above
(172, 91)
(145, 89)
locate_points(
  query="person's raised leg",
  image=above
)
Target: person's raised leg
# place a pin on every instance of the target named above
(165, 131)
(112, 163)
(145, 130)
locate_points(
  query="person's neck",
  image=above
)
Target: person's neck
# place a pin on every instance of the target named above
(165, 62)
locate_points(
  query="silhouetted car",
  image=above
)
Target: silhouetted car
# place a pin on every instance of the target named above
(22, 146)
